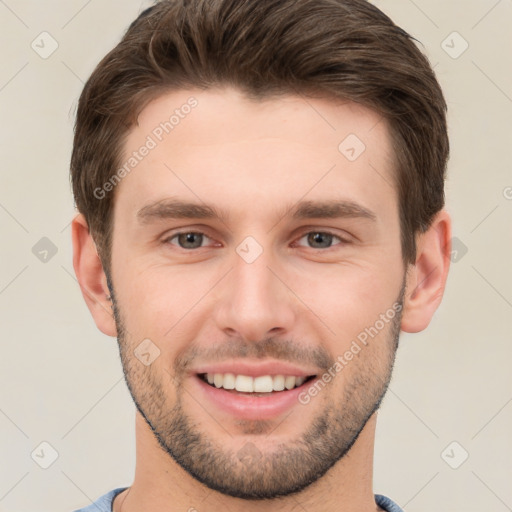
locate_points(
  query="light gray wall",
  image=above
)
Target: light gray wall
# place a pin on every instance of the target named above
(61, 379)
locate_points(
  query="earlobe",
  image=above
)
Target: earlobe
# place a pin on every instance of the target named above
(91, 277)
(426, 279)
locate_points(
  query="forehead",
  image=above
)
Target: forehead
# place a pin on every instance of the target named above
(315, 121)
(221, 142)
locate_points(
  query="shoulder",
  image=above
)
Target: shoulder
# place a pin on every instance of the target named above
(103, 503)
(385, 503)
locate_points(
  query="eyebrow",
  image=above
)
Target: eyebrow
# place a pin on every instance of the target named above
(332, 210)
(177, 209)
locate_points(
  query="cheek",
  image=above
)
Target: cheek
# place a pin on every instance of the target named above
(162, 302)
(365, 360)
(349, 298)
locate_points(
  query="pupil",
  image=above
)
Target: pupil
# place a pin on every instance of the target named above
(323, 239)
(187, 240)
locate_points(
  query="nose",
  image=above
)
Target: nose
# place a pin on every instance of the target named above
(254, 301)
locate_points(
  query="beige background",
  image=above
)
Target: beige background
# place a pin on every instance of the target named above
(61, 379)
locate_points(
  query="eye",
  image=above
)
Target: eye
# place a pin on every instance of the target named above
(187, 239)
(320, 239)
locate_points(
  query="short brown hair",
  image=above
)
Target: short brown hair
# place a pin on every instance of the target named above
(344, 49)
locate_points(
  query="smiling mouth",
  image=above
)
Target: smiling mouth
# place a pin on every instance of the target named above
(263, 385)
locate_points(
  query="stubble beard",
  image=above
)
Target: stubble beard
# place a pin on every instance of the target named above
(261, 475)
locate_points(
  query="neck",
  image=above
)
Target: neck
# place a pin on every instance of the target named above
(160, 484)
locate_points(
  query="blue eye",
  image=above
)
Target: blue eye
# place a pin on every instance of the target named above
(188, 239)
(320, 239)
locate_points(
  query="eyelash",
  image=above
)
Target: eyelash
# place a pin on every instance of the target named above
(343, 241)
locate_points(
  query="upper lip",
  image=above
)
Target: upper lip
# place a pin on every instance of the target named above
(256, 369)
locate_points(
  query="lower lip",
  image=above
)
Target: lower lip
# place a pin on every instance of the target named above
(249, 407)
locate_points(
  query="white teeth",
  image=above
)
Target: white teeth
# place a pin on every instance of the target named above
(229, 381)
(289, 382)
(218, 380)
(278, 384)
(244, 383)
(261, 384)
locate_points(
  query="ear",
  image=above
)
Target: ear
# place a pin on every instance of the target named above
(426, 279)
(91, 277)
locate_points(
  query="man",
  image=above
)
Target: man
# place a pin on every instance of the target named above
(260, 188)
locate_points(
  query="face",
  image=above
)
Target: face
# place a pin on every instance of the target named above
(256, 245)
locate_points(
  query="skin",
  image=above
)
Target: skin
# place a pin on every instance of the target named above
(300, 300)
